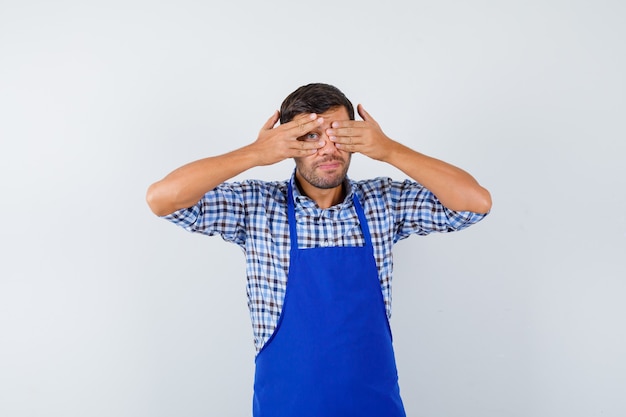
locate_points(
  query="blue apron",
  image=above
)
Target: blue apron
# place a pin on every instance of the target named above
(331, 354)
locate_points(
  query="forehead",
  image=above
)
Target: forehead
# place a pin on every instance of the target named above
(337, 113)
(331, 115)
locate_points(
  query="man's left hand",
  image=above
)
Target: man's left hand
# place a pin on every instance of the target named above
(364, 137)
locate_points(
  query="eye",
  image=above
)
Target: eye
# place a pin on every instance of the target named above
(312, 136)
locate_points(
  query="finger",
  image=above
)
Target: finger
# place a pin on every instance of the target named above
(351, 130)
(306, 123)
(353, 148)
(271, 121)
(347, 124)
(364, 114)
(347, 142)
(302, 148)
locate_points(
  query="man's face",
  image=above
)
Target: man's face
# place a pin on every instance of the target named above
(328, 167)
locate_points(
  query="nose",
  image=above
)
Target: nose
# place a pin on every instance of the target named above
(329, 146)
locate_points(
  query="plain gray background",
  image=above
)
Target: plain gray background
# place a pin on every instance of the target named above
(106, 310)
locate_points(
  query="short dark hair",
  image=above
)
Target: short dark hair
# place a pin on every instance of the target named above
(314, 98)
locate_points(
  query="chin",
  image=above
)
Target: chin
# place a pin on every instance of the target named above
(327, 182)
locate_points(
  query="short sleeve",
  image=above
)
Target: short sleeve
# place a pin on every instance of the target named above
(221, 212)
(417, 210)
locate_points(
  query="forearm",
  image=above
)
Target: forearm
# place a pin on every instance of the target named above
(455, 188)
(186, 185)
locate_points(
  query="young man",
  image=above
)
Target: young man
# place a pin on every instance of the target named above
(318, 248)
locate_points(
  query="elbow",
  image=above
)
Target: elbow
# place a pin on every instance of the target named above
(484, 202)
(155, 201)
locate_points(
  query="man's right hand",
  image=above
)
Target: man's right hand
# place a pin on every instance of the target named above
(186, 185)
(275, 144)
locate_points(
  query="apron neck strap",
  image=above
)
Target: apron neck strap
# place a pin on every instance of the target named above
(291, 213)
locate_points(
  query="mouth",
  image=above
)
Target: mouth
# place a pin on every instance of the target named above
(329, 165)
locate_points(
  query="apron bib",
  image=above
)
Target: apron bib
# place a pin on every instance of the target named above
(331, 354)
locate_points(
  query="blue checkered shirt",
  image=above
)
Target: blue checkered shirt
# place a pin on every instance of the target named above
(253, 214)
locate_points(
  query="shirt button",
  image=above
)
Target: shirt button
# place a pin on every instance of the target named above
(325, 243)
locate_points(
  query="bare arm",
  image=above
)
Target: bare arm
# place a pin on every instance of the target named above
(186, 185)
(455, 188)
